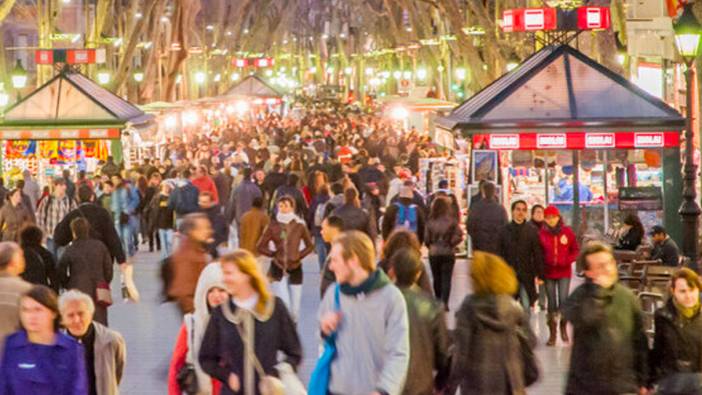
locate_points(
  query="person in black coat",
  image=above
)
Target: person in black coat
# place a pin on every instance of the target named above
(40, 266)
(404, 198)
(101, 225)
(85, 264)
(353, 216)
(520, 247)
(677, 344)
(486, 218)
(632, 233)
(290, 189)
(253, 317)
(220, 230)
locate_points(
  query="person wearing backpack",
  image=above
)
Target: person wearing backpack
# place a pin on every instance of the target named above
(52, 210)
(354, 217)
(185, 198)
(404, 213)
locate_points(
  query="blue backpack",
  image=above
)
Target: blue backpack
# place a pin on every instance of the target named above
(406, 217)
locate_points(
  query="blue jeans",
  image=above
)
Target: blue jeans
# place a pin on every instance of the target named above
(166, 237)
(124, 231)
(524, 299)
(562, 286)
(320, 248)
(55, 250)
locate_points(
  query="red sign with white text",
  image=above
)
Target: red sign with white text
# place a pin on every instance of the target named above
(579, 140)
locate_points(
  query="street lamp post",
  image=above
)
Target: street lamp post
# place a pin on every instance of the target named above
(687, 40)
(19, 78)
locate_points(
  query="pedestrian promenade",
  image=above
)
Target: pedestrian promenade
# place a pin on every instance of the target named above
(150, 329)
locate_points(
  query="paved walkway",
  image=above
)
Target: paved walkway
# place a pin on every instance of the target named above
(150, 329)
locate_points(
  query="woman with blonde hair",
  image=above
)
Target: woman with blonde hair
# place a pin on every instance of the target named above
(248, 330)
(490, 322)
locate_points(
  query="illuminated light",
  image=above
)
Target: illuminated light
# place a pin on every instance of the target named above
(369, 71)
(139, 76)
(179, 79)
(164, 19)
(200, 77)
(228, 33)
(348, 70)
(258, 101)
(235, 76)
(512, 65)
(687, 35)
(460, 74)
(246, 31)
(374, 82)
(397, 74)
(103, 77)
(189, 118)
(422, 74)
(342, 35)
(408, 29)
(138, 15)
(217, 77)
(271, 101)
(269, 73)
(170, 122)
(118, 42)
(209, 28)
(313, 70)
(330, 70)
(399, 113)
(440, 68)
(325, 36)
(621, 58)
(407, 75)
(241, 107)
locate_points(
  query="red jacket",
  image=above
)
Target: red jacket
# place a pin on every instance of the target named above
(178, 360)
(206, 184)
(560, 251)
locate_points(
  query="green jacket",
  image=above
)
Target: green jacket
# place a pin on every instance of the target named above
(610, 349)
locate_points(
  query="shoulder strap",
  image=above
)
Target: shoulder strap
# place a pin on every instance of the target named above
(191, 340)
(337, 303)
(252, 355)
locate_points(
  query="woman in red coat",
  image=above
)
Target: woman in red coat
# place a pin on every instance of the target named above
(560, 251)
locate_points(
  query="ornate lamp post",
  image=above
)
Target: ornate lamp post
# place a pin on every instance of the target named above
(687, 40)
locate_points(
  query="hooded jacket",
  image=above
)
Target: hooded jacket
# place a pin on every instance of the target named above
(193, 327)
(485, 220)
(560, 249)
(486, 326)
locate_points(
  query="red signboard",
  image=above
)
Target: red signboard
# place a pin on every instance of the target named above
(240, 62)
(508, 20)
(579, 140)
(596, 18)
(80, 56)
(44, 56)
(263, 62)
(539, 19)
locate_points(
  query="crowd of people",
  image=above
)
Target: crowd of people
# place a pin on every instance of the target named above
(234, 212)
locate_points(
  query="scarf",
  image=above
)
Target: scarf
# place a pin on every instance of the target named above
(556, 230)
(378, 279)
(687, 312)
(287, 218)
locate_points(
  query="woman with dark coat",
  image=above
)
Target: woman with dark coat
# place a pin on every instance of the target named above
(487, 325)
(40, 265)
(677, 346)
(13, 216)
(85, 264)
(442, 234)
(38, 359)
(252, 319)
(632, 233)
(404, 239)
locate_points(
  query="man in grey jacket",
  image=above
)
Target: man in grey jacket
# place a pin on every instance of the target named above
(105, 349)
(372, 325)
(12, 287)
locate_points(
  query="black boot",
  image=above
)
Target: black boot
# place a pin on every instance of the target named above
(564, 330)
(552, 330)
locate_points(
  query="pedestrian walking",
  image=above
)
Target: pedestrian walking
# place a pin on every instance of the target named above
(210, 292)
(429, 358)
(13, 216)
(52, 210)
(399, 240)
(188, 260)
(560, 249)
(317, 213)
(404, 213)
(13, 287)
(491, 323)
(247, 332)
(253, 224)
(38, 359)
(537, 221)
(184, 199)
(332, 227)
(40, 265)
(610, 349)
(161, 218)
(520, 247)
(204, 183)
(105, 349)
(676, 358)
(31, 188)
(242, 198)
(486, 218)
(443, 235)
(370, 322)
(86, 265)
(354, 217)
(291, 242)
(220, 229)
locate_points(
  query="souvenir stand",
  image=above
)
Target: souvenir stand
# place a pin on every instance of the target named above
(562, 129)
(70, 122)
(415, 112)
(257, 95)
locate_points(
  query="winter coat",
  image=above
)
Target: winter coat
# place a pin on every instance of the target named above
(317, 200)
(205, 184)
(192, 331)
(442, 235)
(223, 183)
(220, 229)
(286, 239)
(485, 220)
(40, 267)
(101, 228)
(486, 327)
(390, 218)
(251, 227)
(110, 358)
(296, 194)
(520, 247)
(242, 200)
(184, 199)
(630, 240)
(84, 264)
(12, 290)
(160, 215)
(222, 349)
(12, 219)
(27, 368)
(560, 249)
(610, 349)
(187, 262)
(356, 218)
(428, 343)
(677, 344)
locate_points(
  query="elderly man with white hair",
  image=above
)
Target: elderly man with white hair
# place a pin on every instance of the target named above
(105, 349)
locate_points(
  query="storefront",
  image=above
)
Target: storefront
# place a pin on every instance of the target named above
(256, 95)
(72, 123)
(562, 129)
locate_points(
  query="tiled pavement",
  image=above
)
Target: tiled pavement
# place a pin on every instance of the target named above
(150, 330)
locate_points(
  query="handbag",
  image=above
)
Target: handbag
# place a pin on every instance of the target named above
(123, 218)
(103, 294)
(319, 380)
(186, 376)
(680, 384)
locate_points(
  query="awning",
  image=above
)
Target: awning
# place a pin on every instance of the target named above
(560, 89)
(253, 86)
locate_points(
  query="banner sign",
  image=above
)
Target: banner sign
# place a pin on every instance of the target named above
(578, 140)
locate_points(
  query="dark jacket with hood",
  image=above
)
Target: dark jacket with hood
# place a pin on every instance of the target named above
(521, 248)
(390, 218)
(356, 218)
(101, 228)
(610, 349)
(487, 358)
(677, 345)
(220, 229)
(442, 235)
(485, 220)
